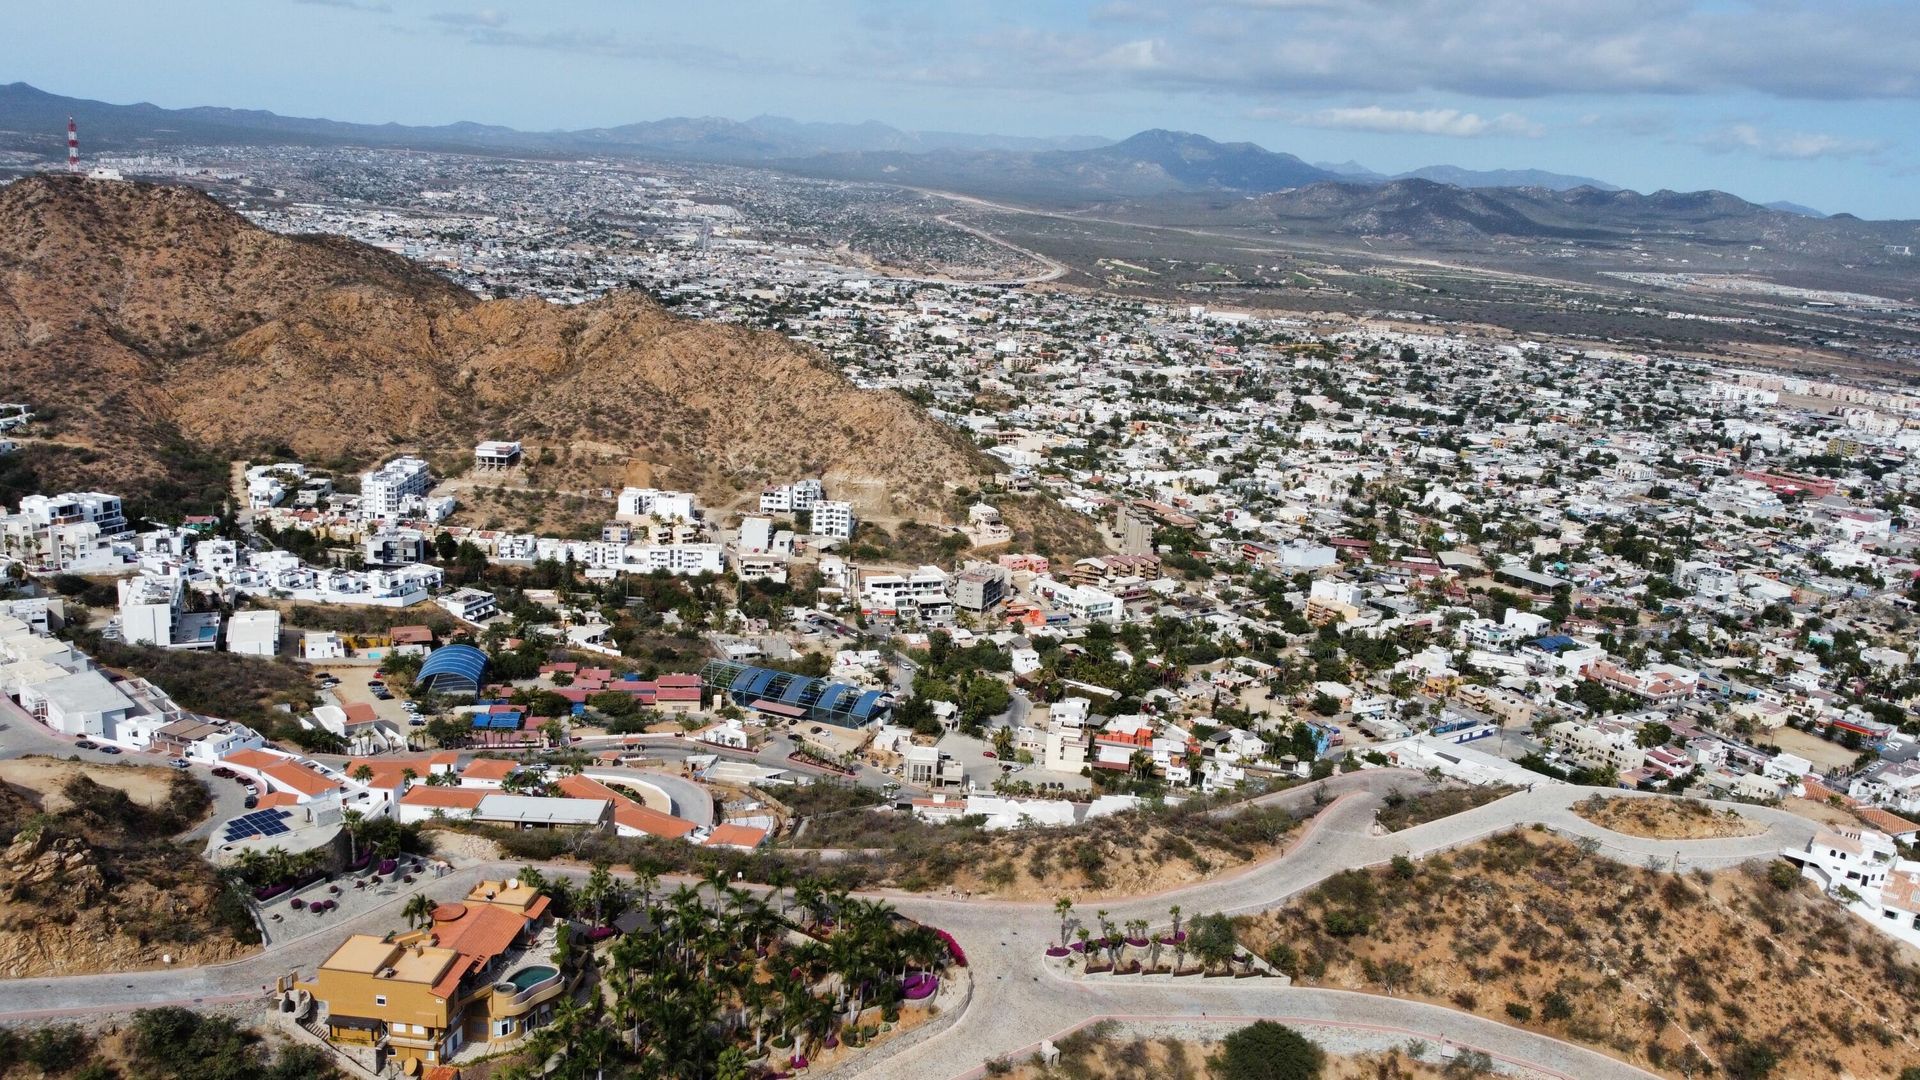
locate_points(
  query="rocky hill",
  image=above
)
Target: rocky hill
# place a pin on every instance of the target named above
(150, 317)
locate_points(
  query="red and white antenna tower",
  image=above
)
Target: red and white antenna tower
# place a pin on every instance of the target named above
(73, 146)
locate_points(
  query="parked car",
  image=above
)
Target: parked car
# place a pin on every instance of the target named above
(416, 721)
(87, 744)
(375, 682)
(988, 754)
(179, 762)
(110, 750)
(251, 801)
(222, 771)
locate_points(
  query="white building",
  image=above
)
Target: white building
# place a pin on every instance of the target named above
(395, 489)
(832, 519)
(470, 605)
(788, 498)
(93, 507)
(637, 502)
(85, 703)
(1863, 870)
(254, 633)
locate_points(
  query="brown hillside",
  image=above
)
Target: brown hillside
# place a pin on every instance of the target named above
(137, 311)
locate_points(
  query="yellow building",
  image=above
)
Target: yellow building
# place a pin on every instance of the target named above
(477, 974)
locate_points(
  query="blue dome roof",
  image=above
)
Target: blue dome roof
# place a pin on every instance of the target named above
(462, 666)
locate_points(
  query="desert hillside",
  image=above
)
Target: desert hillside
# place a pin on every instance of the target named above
(147, 317)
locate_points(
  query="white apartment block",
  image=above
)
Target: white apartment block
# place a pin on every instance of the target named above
(787, 498)
(677, 559)
(832, 519)
(470, 605)
(651, 502)
(94, 507)
(1084, 603)
(150, 607)
(394, 488)
(921, 594)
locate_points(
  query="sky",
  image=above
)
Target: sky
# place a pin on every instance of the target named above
(1813, 101)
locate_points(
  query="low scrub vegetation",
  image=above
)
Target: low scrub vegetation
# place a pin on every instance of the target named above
(1403, 811)
(1683, 975)
(161, 1044)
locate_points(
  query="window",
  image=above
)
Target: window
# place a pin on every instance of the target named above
(379, 999)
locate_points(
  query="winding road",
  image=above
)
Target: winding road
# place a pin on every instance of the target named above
(1020, 998)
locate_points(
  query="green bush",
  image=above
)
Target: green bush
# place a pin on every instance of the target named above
(1268, 1051)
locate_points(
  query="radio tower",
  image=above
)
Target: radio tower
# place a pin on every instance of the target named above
(73, 146)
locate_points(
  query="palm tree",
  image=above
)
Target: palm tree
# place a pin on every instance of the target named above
(1175, 912)
(354, 823)
(408, 776)
(363, 772)
(419, 910)
(1063, 907)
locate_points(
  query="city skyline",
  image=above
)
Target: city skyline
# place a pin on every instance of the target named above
(1770, 101)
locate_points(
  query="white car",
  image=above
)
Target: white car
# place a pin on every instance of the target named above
(179, 763)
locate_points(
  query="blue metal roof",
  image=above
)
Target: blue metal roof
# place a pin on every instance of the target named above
(454, 663)
(863, 708)
(834, 694)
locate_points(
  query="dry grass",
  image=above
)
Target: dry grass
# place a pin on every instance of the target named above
(1749, 969)
(41, 779)
(1403, 811)
(1128, 854)
(1665, 819)
(1103, 1052)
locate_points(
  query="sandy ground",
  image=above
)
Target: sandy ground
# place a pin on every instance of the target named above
(42, 779)
(1665, 819)
(1819, 811)
(462, 848)
(1824, 755)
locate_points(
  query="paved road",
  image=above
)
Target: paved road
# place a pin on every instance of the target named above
(1020, 999)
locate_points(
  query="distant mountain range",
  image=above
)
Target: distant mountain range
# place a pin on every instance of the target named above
(1078, 170)
(1472, 178)
(33, 119)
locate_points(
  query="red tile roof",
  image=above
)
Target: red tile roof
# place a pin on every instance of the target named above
(742, 836)
(488, 769)
(444, 798)
(484, 931)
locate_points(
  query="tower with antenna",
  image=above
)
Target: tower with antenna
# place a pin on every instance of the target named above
(73, 146)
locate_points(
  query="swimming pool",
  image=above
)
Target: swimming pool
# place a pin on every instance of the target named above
(528, 976)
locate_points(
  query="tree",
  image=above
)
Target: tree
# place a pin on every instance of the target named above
(1063, 907)
(419, 910)
(1265, 1050)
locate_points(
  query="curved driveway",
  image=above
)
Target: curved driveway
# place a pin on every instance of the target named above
(1020, 999)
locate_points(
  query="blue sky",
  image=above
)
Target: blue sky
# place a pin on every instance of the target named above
(1816, 101)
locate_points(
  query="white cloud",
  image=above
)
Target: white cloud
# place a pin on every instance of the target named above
(1786, 145)
(1451, 123)
(485, 18)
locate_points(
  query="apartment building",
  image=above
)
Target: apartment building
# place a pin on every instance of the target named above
(1081, 604)
(832, 519)
(789, 498)
(93, 507)
(981, 589)
(921, 594)
(637, 502)
(395, 489)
